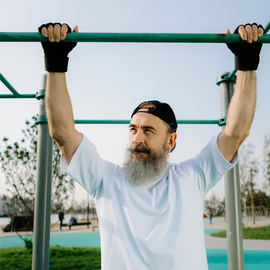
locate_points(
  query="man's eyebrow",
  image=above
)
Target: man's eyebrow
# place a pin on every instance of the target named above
(143, 127)
(132, 125)
(149, 127)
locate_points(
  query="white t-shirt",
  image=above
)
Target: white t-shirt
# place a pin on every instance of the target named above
(159, 227)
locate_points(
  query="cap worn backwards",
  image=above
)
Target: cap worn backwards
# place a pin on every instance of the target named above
(161, 110)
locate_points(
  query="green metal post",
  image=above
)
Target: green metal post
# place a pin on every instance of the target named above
(42, 218)
(232, 190)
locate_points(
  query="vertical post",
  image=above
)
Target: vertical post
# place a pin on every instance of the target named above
(252, 195)
(87, 209)
(232, 189)
(245, 210)
(42, 218)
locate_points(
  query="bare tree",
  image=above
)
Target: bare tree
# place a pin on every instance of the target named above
(19, 161)
(266, 162)
(249, 168)
(214, 203)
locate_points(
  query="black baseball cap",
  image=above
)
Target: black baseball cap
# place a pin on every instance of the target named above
(161, 110)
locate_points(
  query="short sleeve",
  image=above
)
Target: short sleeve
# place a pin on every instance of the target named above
(87, 168)
(208, 167)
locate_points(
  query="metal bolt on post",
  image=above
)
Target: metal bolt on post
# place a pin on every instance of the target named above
(42, 218)
(232, 189)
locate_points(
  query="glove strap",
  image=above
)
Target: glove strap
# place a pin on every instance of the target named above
(59, 64)
(247, 63)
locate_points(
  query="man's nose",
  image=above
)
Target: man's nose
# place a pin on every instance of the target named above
(139, 137)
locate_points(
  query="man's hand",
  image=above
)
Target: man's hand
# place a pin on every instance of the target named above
(56, 32)
(56, 52)
(248, 32)
(247, 54)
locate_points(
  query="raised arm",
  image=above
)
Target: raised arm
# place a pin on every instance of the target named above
(242, 105)
(58, 105)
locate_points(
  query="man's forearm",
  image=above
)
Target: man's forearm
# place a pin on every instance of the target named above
(242, 106)
(58, 107)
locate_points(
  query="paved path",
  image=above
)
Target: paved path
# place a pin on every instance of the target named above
(221, 243)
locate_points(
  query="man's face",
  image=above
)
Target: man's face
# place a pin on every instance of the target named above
(149, 144)
(149, 132)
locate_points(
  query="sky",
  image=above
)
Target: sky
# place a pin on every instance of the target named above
(108, 80)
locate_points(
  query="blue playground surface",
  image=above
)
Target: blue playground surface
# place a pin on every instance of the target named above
(217, 258)
(83, 239)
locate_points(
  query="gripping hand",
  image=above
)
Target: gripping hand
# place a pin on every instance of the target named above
(56, 53)
(247, 55)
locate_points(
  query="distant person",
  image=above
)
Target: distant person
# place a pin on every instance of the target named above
(72, 221)
(61, 217)
(69, 224)
(210, 215)
(150, 210)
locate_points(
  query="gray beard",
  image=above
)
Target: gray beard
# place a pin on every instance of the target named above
(143, 171)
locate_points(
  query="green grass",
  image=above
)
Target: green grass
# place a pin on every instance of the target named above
(60, 258)
(249, 233)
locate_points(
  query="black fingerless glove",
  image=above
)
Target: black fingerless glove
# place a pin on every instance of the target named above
(56, 53)
(247, 55)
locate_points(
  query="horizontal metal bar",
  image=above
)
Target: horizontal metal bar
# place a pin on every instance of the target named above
(216, 122)
(220, 122)
(9, 86)
(130, 37)
(20, 96)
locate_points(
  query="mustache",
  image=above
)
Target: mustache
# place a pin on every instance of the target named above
(139, 148)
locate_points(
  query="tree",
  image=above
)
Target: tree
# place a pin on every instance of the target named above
(215, 204)
(248, 169)
(266, 162)
(19, 161)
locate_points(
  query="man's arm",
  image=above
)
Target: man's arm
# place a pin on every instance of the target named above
(58, 105)
(60, 115)
(240, 115)
(242, 105)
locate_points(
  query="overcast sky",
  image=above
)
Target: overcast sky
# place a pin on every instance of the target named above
(107, 81)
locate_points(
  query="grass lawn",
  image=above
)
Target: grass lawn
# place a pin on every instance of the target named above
(60, 258)
(249, 233)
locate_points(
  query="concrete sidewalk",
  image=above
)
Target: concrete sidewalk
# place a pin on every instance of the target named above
(221, 243)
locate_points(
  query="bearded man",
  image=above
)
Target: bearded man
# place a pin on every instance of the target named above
(150, 211)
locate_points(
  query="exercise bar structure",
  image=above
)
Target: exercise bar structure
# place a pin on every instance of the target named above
(131, 37)
(226, 83)
(42, 118)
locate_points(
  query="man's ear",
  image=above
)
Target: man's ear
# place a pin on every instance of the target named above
(171, 140)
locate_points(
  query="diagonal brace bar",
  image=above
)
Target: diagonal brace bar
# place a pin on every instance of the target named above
(9, 86)
(12, 90)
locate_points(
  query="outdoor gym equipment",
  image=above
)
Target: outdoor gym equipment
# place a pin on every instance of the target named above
(44, 155)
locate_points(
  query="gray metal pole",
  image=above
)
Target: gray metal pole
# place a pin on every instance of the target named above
(87, 210)
(232, 190)
(42, 218)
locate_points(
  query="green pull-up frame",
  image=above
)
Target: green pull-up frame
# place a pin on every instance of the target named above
(43, 188)
(132, 37)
